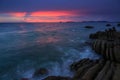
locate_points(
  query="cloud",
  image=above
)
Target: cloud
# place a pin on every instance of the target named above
(17, 14)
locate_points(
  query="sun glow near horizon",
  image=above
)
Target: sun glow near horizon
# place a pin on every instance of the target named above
(41, 16)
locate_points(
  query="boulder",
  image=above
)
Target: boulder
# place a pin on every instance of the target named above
(103, 72)
(41, 71)
(76, 65)
(118, 24)
(57, 78)
(89, 27)
(93, 71)
(108, 25)
(24, 79)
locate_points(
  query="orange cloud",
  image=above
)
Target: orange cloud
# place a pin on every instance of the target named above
(44, 16)
(49, 16)
(18, 14)
(51, 13)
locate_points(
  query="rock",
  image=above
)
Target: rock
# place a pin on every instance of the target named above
(88, 43)
(118, 24)
(93, 71)
(103, 72)
(57, 78)
(107, 43)
(108, 25)
(24, 79)
(76, 65)
(41, 71)
(82, 70)
(116, 72)
(117, 53)
(110, 72)
(89, 27)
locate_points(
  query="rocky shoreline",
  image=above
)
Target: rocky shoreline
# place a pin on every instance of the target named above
(105, 43)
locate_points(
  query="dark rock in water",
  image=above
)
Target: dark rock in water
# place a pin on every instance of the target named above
(88, 43)
(41, 71)
(118, 24)
(57, 78)
(89, 27)
(24, 79)
(108, 25)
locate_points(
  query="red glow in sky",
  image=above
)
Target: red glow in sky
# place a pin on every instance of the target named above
(18, 14)
(51, 13)
(42, 16)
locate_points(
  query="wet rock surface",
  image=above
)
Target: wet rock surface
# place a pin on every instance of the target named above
(41, 71)
(107, 43)
(57, 78)
(118, 24)
(108, 25)
(89, 27)
(24, 79)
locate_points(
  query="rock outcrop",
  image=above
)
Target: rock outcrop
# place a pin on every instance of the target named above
(93, 70)
(118, 24)
(57, 78)
(107, 43)
(89, 27)
(108, 25)
(41, 71)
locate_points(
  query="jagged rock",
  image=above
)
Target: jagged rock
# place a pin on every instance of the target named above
(76, 65)
(108, 24)
(116, 75)
(57, 78)
(93, 71)
(110, 72)
(118, 24)
(89, 27)
(106, 35)
(103, 72)
(24, 79)
(82, 70)
(41, 71)
(107, 43)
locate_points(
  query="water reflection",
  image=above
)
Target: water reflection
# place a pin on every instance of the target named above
(48, 27)
(49, 39)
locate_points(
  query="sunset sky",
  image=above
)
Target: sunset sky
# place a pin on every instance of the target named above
(59, 10)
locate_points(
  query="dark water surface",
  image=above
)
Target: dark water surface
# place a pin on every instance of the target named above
(25, 47)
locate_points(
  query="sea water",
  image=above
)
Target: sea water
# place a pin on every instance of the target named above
(26, 47)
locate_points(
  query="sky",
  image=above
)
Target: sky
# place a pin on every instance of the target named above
(59, 10)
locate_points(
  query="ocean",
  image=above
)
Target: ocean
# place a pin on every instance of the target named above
(26, 47)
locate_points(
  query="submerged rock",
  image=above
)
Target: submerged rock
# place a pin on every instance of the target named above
(108, 25)
(89, 27)
(41, 71)
(24, 79)
(57, 78)
(118, 24)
